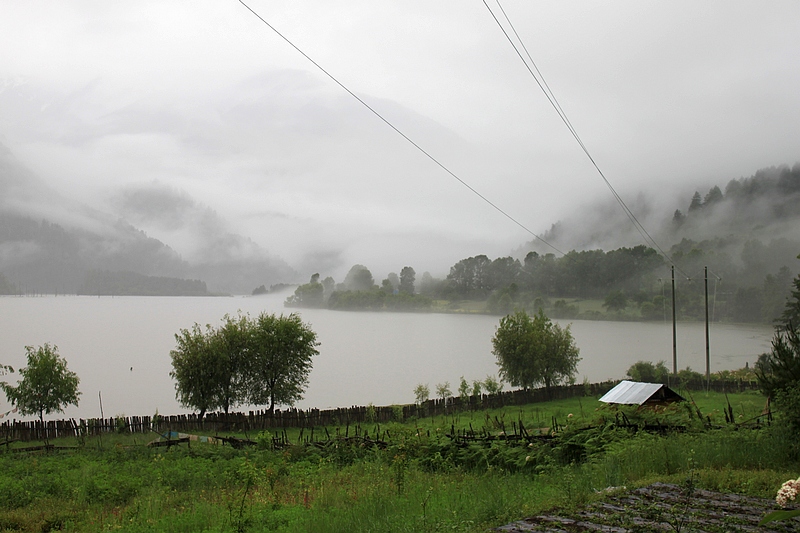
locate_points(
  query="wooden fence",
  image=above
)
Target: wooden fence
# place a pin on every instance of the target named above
(296, 418)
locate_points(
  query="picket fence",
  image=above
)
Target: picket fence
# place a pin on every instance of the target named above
(211, 423)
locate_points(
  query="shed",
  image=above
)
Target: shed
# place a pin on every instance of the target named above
(636, 393)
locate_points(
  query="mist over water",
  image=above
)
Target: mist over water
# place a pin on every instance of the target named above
(120, 347)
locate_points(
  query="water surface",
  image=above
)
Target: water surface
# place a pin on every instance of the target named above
(120, 348)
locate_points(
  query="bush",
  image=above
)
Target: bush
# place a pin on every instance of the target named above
(647, 372)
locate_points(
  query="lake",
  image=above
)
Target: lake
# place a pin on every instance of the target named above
(119, 347)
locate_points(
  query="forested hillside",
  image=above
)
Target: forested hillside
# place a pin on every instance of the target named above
(747, 237)
(49, 244)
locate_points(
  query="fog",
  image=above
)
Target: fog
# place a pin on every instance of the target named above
(195, 123)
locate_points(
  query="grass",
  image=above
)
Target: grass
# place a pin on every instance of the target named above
(421, 481)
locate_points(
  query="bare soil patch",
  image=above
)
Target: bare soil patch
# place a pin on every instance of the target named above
(661, 508)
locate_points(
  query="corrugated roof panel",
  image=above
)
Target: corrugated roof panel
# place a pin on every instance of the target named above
(631, 393)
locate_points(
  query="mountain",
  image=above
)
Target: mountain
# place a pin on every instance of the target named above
(49, 244)
(749, 219)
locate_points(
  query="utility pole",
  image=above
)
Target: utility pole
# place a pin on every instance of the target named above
(708, 351)
(674, 332)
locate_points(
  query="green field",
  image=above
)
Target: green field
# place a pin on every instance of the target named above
(417, 479)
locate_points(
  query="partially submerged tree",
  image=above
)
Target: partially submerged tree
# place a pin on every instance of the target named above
(47, 385)
(279, 349)
(261, 361)
(534, 351)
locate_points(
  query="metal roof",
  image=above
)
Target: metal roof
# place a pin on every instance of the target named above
(635, 393)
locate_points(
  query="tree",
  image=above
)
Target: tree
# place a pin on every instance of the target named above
(260, 361)
(195, 369)
(696, 203)
(311, 294)
(791, 313)
(280, 349)
(208, 366)
(616, 301)
(443, 391)
(779, 369)
(492, 385)
(47, 384)
(407, 277)
(463, 389)
(714, 196)
(359, 278)
(532, 351)
(421, 393)
(647, 372)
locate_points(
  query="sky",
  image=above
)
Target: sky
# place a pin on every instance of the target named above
(179, 115)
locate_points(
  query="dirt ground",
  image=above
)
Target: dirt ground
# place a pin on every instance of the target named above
(662, 508)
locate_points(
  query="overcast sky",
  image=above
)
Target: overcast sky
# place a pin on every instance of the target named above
(200, 104)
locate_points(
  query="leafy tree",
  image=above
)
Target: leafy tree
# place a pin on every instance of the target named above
(492, 385)
(407, 277)
(279, 351)
(443, 390)
(533, 350)
(261, 361)
(311, 294)
(477, 386)
(359, 278)
(616, 301)
(647, 372)
(47, 384)
(421, 393)
(196, 369)
(463, 389)
(208, 366)
(780, 368)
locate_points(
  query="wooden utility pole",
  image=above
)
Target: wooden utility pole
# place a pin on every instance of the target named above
(674, 332)
(708, 350)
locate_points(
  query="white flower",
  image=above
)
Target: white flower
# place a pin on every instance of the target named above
(788, 492)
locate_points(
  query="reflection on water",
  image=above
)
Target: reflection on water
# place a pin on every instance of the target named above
(120, 347)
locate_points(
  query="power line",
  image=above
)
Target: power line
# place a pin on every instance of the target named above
(540, 81)
(398, 131)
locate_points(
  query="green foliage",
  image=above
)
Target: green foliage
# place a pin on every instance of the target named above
(463, 389)
(616, 301)
(791, 314)
(308, 295)
(647, 372)
(279, 351)
(780, 368)
(263, 361)
(359, 278)
(47, 386)
(421, 481)
(443, 390)
(533, 351)
(491, 385)
(421, 393)
(407, 278)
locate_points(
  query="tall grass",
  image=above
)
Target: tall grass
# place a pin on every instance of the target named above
(416, 483)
